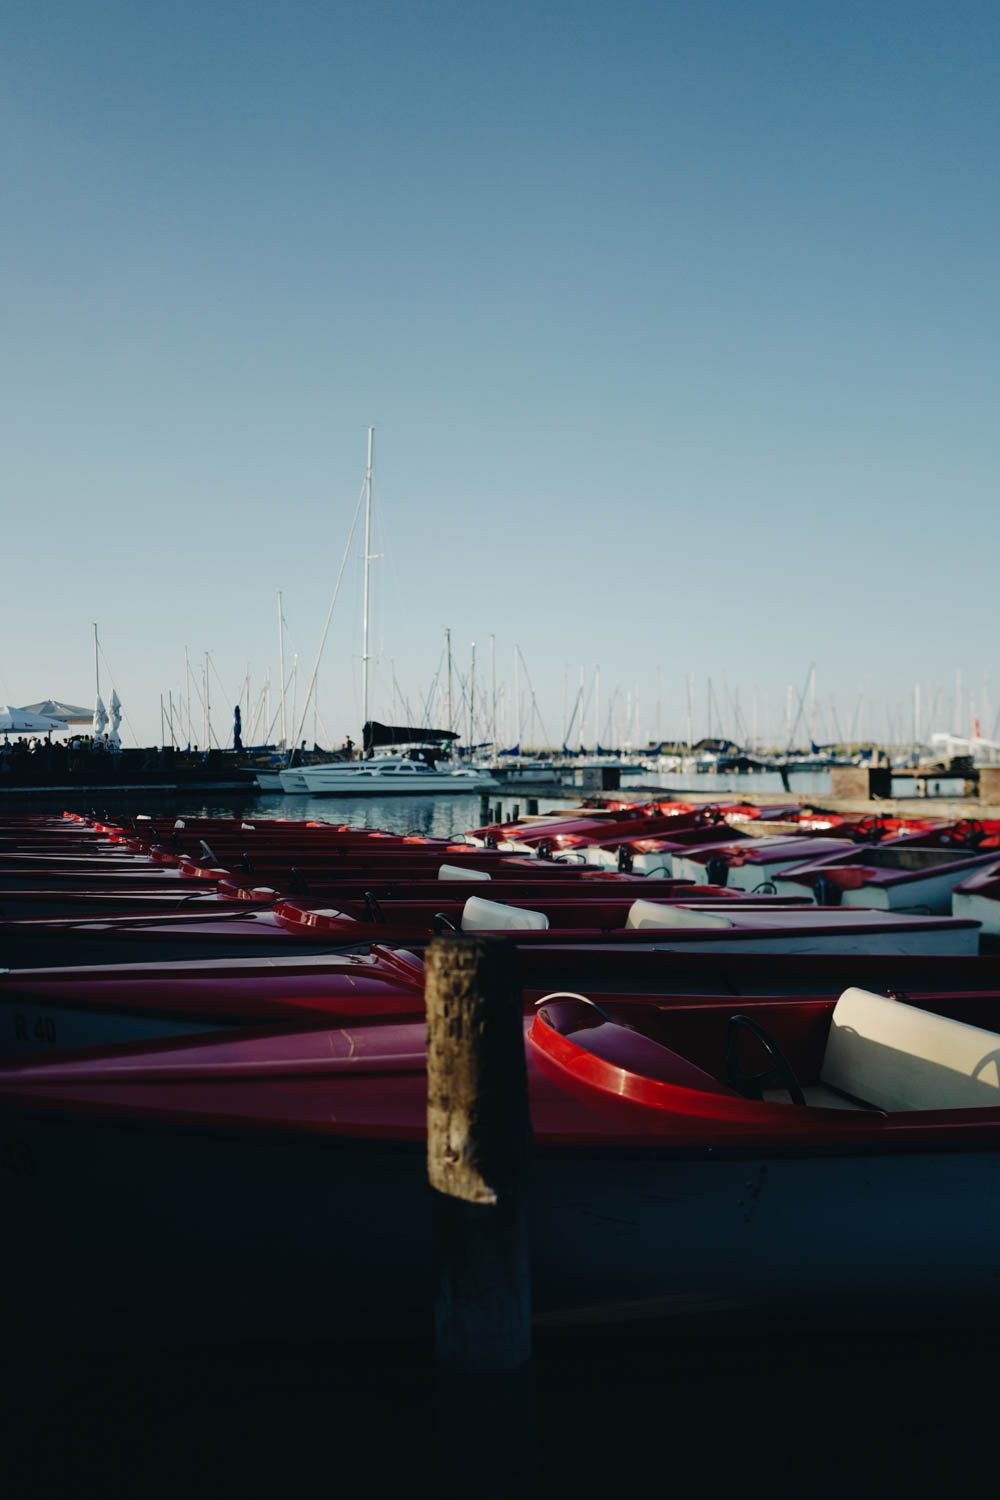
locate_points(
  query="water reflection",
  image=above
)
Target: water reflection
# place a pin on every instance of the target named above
(435, 817)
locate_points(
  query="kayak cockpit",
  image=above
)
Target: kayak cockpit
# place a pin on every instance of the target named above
(873, 1057)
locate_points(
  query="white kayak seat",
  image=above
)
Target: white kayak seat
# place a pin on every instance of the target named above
(493, 916)
(897, 1057)
(656, 914)
(461, 872)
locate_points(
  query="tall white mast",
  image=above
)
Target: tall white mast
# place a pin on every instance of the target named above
(368, 549)
(517, 701)
(583, 701)
(447, 637)
(187, 679)
(493, 690)
(281, 668)
(97, 662)
(472, 698)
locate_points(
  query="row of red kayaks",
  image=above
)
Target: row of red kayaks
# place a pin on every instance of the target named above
(203, 1017)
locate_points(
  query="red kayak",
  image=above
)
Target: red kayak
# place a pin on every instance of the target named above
(837, 1156)
(45, 1009)
(661, 927)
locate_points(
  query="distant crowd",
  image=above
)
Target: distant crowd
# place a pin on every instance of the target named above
(80, 744)
(34, 761)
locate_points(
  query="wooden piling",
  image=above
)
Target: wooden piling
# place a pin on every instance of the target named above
(478, 1143)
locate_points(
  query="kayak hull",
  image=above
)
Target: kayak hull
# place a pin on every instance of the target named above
(134, 1231)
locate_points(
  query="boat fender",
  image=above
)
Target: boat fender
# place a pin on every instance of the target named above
(626, 859)
(827, 891)
(298, 884)
(246, 864)
(716, 870)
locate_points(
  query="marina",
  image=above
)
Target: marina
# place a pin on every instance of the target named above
(499, 751)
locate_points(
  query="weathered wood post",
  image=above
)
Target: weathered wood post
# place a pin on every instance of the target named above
(478, 1145)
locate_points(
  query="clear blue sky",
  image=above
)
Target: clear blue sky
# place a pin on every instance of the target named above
(678, 325)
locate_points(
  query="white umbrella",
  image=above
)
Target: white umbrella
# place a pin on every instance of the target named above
(116, 717)
(19, 721)
(100, 716)
(55, 708)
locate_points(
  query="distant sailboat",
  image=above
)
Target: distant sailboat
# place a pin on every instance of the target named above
(400, 774)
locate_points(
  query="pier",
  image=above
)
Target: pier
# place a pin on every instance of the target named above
(531, 801)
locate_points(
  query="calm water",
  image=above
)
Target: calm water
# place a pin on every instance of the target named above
(437, 817)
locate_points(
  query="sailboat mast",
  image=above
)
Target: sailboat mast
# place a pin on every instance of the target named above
(517, 702)
(447, 637)
(493, 689)
(368, 538)
(472, 698)
(97, 662)
(597, 710)
(281, 668)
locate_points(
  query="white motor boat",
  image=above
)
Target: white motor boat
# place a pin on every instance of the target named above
(293, 781)
(392, 775)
